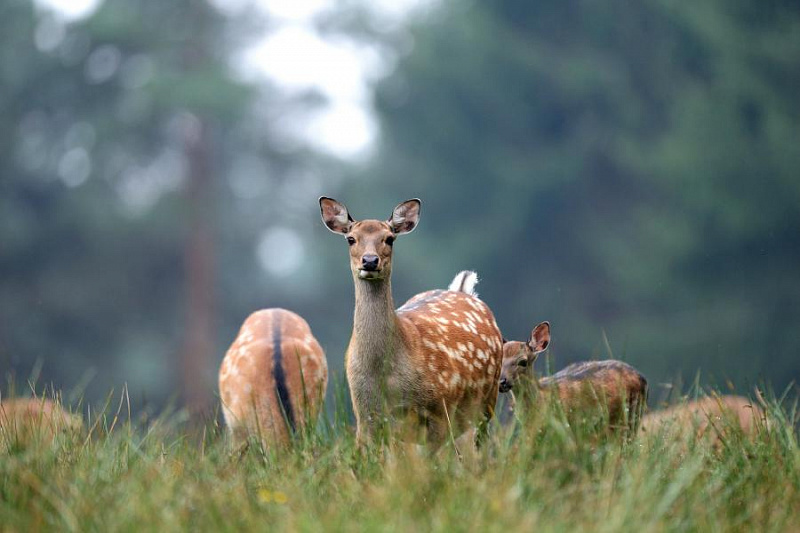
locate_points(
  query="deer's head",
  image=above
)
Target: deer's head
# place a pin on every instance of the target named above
(370, 241)
(519, 356)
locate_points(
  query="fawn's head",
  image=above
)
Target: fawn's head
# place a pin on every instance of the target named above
(370, 241)
(519, 356)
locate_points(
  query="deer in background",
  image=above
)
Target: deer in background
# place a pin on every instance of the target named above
(712, 416)
(273, 377)
(435, 361)
(26, 419)
(581, 387)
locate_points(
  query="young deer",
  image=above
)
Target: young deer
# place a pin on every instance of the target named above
(437, 358)
(712, 415)
(273, 377)
(28, 418)
(580, 387)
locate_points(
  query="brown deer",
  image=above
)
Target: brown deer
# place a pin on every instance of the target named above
(273, 377)
(29, 418)
(711, 416)
(581, 387)
(435, 361)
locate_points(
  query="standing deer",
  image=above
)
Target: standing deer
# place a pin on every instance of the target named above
(273, 377)
(436, 359)
(613, 386)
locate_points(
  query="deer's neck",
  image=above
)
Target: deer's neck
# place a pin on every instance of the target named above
(375, 328)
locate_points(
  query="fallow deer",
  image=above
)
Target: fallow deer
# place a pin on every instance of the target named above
(24, 419)
(711, 416)
(273, 377)
(612, 386)
(434, 361)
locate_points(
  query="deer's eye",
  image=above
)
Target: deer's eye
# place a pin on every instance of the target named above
(351, 241)
(523, 363)
(390, 240)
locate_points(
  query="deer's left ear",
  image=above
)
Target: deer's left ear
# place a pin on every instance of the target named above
(405, 217)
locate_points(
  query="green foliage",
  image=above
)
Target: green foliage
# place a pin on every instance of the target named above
(540, 473)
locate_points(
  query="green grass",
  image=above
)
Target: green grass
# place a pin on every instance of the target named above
(539, 474)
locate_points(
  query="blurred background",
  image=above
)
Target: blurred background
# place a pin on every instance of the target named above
(628, 171)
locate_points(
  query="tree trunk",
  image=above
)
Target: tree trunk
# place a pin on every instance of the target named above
(198, 349)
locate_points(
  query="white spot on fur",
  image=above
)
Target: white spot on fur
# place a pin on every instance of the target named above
(455, 380)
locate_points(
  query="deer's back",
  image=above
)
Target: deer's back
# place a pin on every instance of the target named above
(454, 346)
(31, 416)
(711, 414)
(588, 384)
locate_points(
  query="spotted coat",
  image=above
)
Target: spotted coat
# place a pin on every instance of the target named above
(455, 348)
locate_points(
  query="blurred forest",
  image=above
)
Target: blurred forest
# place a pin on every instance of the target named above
(627, 171)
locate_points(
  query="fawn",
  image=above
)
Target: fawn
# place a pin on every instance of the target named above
(435, 361)
(711, 415)
(273, 377)
(27, 418)
(580, 387)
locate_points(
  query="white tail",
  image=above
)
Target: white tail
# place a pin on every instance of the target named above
(437, 358)
(273, 377)
(465, 281)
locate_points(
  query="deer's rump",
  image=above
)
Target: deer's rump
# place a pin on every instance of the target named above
(456, 352)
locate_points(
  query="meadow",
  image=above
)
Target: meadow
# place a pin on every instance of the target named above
(541, 472)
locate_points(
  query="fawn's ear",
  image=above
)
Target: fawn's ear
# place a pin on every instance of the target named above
(540, 338)
(405, 217)
(335, 215)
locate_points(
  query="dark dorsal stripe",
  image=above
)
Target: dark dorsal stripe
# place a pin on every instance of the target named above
(281, 390)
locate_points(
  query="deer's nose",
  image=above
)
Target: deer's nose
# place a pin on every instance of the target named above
(369, 262)
(505, 386)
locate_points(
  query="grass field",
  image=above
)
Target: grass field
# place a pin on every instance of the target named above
(540, 473)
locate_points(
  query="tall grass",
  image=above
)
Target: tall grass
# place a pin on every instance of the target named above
(539, 473)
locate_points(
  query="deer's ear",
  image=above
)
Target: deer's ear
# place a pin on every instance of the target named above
(405, 217)
(540, 338)
(335, 215)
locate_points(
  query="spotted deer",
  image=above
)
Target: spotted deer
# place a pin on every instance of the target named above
(711, 417)
(435, 361)
(613, 386)
(25, 419)
(273, 377)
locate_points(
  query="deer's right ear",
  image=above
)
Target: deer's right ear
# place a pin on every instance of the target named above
(335, 215)
(540, 338)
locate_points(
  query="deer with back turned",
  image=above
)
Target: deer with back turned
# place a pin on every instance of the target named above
(273, 377)
(435, 361)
